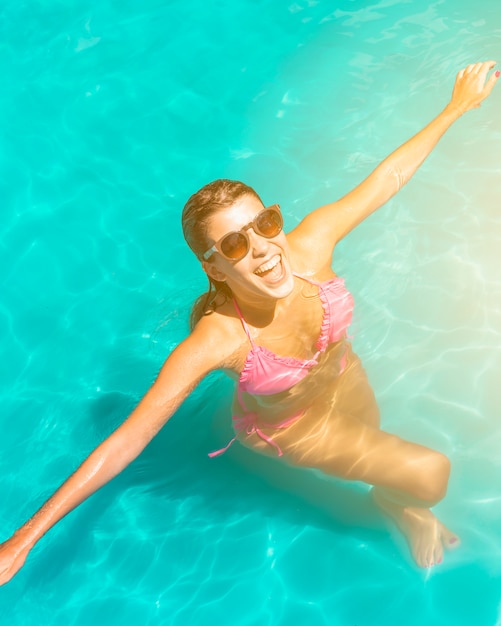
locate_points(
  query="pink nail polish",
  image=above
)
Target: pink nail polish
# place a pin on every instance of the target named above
(453, 540)
(498, 74)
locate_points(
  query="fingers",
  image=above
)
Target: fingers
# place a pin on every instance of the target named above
(490, 64)
(472, 85)
(483, 68)
(493, 79)
(473, 68)
(477, 68)
(470, 68)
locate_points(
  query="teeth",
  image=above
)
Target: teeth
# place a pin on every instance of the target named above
(266, 267)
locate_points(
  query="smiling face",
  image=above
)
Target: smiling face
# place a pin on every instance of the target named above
(264, 272)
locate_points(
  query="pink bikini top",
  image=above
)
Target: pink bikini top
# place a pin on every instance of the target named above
(266, 373)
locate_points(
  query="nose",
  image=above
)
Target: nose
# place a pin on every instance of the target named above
(258, 243)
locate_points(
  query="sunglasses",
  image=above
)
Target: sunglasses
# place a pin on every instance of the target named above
(235, 245)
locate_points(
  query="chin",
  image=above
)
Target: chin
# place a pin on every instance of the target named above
(285, 289)
(282, 287)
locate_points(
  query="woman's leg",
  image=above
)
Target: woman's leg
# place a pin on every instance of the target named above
(426, 535)
(408, 478)
(339, 434)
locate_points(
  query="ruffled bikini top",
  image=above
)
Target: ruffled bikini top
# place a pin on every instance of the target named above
(266, 373)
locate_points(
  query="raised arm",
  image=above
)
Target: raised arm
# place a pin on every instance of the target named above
(182, 371)
(325, 226)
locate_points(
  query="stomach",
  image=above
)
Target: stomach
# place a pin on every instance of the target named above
(337, 387)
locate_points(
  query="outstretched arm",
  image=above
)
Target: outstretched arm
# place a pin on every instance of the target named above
(182, 371)
(324, 227)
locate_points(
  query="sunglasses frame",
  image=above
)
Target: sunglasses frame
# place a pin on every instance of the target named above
(243, 231)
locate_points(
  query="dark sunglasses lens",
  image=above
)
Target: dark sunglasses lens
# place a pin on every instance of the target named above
(269, 223)
(234, 246)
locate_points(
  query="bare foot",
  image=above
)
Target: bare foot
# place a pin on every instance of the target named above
(426, 535)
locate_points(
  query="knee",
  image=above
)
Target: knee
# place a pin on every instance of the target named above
(433, 478)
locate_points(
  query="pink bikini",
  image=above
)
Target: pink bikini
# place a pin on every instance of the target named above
(266, 373)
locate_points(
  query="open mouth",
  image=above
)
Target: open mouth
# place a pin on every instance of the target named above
(272, 269)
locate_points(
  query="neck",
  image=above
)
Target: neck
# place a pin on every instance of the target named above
(259, 311)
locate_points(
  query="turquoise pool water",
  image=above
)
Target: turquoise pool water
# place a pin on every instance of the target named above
(113, 114)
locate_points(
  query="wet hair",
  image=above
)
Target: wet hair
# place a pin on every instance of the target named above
(201, 206)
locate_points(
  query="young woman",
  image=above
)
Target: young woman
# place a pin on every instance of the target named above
(275, 319)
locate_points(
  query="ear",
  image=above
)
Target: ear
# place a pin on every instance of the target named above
(213, 272)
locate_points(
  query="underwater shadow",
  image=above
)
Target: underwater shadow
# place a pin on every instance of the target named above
(176, 465)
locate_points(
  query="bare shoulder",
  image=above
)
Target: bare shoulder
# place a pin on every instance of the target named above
(213, 344)
(313, 240)
(310, 254)
(219, 335)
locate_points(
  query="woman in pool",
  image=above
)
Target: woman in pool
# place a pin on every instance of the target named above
(275, 319)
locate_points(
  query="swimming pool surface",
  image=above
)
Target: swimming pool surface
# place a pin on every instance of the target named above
(113, 113)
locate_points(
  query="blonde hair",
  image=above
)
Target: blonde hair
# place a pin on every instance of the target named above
(201, 206)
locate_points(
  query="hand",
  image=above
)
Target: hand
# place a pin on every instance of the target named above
(472, 86)
(12, 557)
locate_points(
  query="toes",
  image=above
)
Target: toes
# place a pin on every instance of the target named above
(450, 540)
(438, 554)
(433, 556)
(429, 555)
(452, 543)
